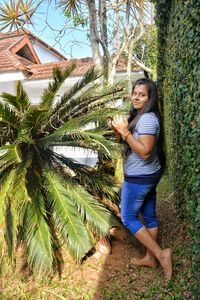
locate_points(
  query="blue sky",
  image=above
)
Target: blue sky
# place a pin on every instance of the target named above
(48, 22)
(71, 43)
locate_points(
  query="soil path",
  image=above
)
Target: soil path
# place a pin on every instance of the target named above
(113, 277)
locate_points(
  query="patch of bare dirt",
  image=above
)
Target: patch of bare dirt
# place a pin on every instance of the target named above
(115, 273)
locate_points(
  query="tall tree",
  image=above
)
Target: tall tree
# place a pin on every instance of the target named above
(114, 26)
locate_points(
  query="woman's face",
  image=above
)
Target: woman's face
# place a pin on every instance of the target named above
(140, 96)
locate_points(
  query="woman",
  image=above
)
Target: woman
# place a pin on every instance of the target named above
(143, 166)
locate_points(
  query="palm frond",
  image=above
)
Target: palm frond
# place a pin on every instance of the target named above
(9, 155)
(19, 191)
(90, 76)
(22, 97)
(97, 182)
(21, 101)
(16, 199)
(72, 132)
(37, 235)
(84, 104)
(66, 217)
(10, 15)
(91, 211)
(49, 93)
(11, 229)
(71, 6)
(5, 183)
(11, 100)
(33, 118)
(91, 140)
(8, 116)
(7, 224)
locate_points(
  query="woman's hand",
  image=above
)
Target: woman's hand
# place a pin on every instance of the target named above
(120, 123)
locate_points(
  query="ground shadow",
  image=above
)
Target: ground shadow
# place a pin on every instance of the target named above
(118, 279)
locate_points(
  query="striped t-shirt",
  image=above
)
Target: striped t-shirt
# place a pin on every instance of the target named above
(134, 164)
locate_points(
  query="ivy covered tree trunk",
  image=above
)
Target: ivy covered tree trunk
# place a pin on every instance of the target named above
(178, 79)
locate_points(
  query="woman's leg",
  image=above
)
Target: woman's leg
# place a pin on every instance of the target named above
(132, 199)
(151, 222)
(149, 259)
(133, 196)
(163, 256)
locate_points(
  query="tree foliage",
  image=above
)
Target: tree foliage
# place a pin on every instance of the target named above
(146, 49)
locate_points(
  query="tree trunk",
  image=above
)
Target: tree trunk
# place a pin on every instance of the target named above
(93, 34)
(104, 35)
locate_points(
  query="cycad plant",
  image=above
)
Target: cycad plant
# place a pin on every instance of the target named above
(47, 199)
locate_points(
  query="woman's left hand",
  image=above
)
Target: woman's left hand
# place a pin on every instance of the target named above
(120, 123)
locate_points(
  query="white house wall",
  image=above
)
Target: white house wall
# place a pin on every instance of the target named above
(8, 87)
(35, 88)
(11, 76)
(44, 55)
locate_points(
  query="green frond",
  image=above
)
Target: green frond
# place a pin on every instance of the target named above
(5, 183)
(89, 139)
(36, 234)
(98, 142)
(96, 103)
(66, 218)
(10, 229)
(89, 208)
(8, 116)
(95, 214)
(84, 104)
(106, 95)
(49, 93)
(17, 197)
(21, 101)
(22, 97)
(18, 190)
(31, 119)
(90, 76)
(9, 155)
(73, 132)
(11, 100)
(97, 182)
(7, 222)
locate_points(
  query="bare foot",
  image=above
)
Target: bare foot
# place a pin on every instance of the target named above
(166, 262)
(144, 262)
(103, 246)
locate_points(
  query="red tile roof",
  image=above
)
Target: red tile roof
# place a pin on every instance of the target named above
(24, 32)
(10, 61)
(43, 71)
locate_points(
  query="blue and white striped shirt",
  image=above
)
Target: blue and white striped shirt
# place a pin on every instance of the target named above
(134, 164)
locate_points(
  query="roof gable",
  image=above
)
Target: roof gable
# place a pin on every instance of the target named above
(24, 32)
(24, 48)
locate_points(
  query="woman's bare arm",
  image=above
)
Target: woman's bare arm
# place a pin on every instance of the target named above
(142, 146)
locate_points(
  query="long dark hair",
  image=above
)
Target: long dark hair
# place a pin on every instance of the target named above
(152, 105)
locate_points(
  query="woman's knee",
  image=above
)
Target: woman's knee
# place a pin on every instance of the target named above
(133, 225)
(151, 222)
